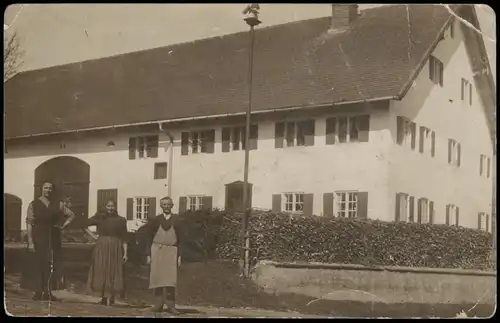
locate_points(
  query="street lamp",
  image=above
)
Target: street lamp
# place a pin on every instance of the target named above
(251, 17)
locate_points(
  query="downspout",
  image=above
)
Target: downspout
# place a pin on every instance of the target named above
(170, 158)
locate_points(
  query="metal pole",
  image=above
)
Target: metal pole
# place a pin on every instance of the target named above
(246, 209)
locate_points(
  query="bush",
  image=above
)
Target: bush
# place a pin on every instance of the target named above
(285, 238)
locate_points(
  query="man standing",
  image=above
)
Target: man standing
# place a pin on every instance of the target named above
(162, 234)
(44, 239)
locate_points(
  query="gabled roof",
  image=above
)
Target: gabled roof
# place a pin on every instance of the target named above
(295, 64)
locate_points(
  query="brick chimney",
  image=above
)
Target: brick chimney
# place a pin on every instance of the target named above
(343, 15)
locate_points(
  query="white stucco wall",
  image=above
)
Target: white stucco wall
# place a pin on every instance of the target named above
(316, 170)
(442, 110)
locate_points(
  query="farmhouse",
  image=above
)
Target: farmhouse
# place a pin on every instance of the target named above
(387, 113)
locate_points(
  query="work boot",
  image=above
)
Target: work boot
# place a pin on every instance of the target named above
(171, 308)
(158, 305)
(49, 297)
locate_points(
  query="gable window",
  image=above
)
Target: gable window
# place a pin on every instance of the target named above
(404, 208)
(454, 152)
(160, 171)
(233, 138)
(294, 133)
(293, 202)
(345, 129)
(466, 91)
(484, 166)
(347, 204)
(143, 147)
(196, 142)
(452, 214)
(436, 70)
(427, 141)
(425, 211)
(406, 132)
(483, 221)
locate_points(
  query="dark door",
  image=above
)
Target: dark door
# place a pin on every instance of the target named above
(71, 177)
(103, 196)
(234, 196)
(12, 217)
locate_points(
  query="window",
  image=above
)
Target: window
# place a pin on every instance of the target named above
(452, 215)
(484, 166)
(143, 147)
(347, 204)
(233, 139)
(405, 207)
(196, 142)
(425, 211)
(454, 152)
(141, 208)
(466, 91)
(406, 132)
(195, 203)
(345, 129)
(293, 202)
(427, 141)
(483, 220)
(160, 171)
(294, 133)
(436, 70)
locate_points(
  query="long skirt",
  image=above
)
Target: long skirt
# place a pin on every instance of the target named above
(163, 271)
(106, 267)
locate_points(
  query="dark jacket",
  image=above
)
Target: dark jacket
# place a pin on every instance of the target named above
(148, 231)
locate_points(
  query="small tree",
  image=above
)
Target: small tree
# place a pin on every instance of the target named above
(12, 56)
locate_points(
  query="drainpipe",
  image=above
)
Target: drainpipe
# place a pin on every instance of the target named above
(170, 158)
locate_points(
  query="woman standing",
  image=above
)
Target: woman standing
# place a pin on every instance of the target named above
(109, 254)
(44, 243)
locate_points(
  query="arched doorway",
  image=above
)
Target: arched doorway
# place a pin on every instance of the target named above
(71, 177)
(12, 208)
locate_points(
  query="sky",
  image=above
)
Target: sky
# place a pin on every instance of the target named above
(56, 34)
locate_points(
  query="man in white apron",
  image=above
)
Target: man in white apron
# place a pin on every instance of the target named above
(163, 256)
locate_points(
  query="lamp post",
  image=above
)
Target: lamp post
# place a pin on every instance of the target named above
(251, 17)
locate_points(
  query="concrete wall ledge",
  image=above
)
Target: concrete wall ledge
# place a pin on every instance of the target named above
(398, 269)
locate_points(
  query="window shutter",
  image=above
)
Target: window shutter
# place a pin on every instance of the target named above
(254, 136)
(431, 212)
(276, 203)
(421, 142)
(433, 144)
(130, 208)
(448, 214)
(449, 150)
(184, 143)
(328, 204)
(488, 167)
(487, 223)
(470, 93)
(397, 212)
(480, 165)
(279, 134)
(363, 123)
(431, 68)
(152, 206)
(131, 148)
(209, 141)
(309, 132)
(441, 73)
(226, 139)
(152, 146)
(308, 204)
(400, 130)
(412, 209)
(462, 90)
(290, 134)
(207, 203)
(457, 215)
(413, 135)
(182, 204)
(479, 220)
(362, 205)
(459, 153)
(419, 210)
(331, 124)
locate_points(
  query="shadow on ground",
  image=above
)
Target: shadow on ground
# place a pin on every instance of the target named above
(217, 284)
